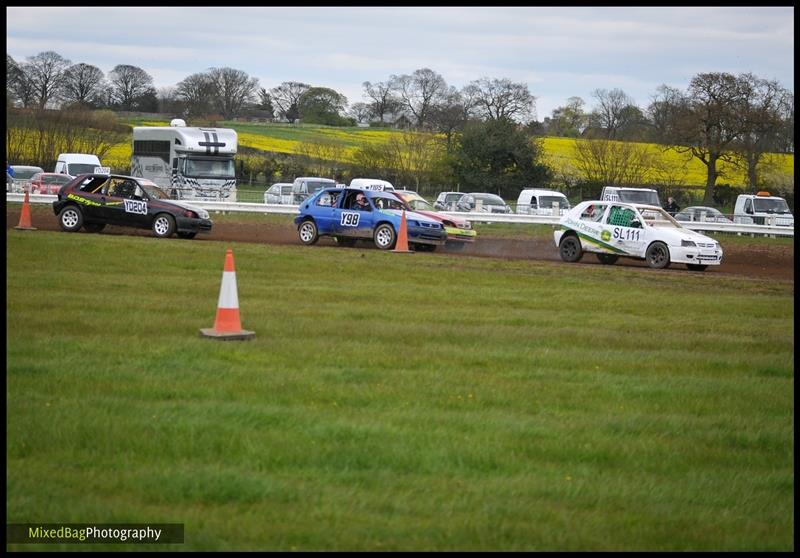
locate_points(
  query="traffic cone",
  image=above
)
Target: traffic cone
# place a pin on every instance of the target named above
(228, 326)
(402, 237)
(25, 216)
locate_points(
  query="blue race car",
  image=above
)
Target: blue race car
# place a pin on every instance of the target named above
(348, 214)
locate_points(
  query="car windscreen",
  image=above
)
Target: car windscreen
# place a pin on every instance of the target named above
(659, 218)
(387, 203)
(316, 185)
(25, 173)
(209, 168)
(80, 168)
(419, 203)
(489, 199)
(153, 191)
(55, 179)
(636, 196)
(771, 205)
(548, 201)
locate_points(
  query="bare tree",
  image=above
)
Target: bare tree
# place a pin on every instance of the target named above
(569, 120)
(419, 93)
(286, 98)
(502, 98)
(613, 163)
(360, 111)
(83, 84)
(321, 156)
(197, 94)
(609, 112)
(766, 106)
(265, 102)
(233, 89)
(18, 87)
(705, 121)
(46, 74)
(129, 84)
(381, 99)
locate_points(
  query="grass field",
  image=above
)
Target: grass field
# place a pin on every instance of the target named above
(394, 402)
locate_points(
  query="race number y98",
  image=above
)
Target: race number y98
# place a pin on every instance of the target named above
(350, 219)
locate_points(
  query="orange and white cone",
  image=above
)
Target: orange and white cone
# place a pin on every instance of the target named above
(228, 325)
(402, 237)
(25, 216)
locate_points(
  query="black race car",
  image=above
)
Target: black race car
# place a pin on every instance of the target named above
(93, 201)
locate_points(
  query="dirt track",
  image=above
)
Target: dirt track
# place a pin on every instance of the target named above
(766, 261)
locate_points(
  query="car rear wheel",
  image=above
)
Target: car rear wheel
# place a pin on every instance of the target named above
(71, 218)
(187, 235)
(696, 267)
(570, 249)
(163, 225)
(384, 236)
(657, 255)
(94, 227)
(607, 259)
(308, 232)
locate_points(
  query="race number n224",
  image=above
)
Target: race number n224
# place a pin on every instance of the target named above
(350, 219)
(136, 206)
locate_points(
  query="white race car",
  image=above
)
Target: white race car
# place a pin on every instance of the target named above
(614, 229)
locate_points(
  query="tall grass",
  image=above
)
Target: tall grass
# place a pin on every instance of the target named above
(396, 402)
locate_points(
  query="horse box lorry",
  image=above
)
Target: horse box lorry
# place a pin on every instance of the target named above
(186, 162)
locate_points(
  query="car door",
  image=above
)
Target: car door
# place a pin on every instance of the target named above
(623, 229)
(349, 220)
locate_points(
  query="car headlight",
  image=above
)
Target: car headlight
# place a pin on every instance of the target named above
(688, 244)
(413, 223)
(203, 214)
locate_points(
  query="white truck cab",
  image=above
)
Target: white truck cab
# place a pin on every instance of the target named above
(630, 195)
(73, 164)
(372, 184)
(762, 209)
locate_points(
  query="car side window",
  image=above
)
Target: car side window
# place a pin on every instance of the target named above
(593, 212)
(620, 216)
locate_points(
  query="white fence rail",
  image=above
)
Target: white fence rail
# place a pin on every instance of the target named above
(244, 207)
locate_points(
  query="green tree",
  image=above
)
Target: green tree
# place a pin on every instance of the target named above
(497, 156)
(321, 105)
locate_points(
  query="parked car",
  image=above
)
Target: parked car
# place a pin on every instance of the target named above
(762, 209)
(305, 186)
(280, 193)
(459, 230)
(22, 177)
(535, 201)
(48, 182)
(334, 212)
(446, 201)
(613, 229)
(93, 201)
(73, 164)
(482, 202)
(702, 213)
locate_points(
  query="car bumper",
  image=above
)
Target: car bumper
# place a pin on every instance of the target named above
(699, 256)
(424, 235)
(460, 235)
(190, 225)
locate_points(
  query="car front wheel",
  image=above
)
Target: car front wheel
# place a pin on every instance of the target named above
(570, 249)
(384, 236)
(657, 255)
(163, 225)
(71, 218)
(308, 232)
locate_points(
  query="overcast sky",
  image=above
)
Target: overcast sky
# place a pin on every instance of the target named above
(559, 52)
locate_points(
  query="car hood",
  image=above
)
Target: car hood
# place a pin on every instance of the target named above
(417, 216)
(440, 217)
(675, 236)
(197, 209)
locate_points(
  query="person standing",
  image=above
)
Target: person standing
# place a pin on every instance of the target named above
(672, 208)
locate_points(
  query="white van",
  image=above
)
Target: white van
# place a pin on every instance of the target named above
(372, 184)
(630, 195)
(762, 209)
(534, 201)
(73, 164)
